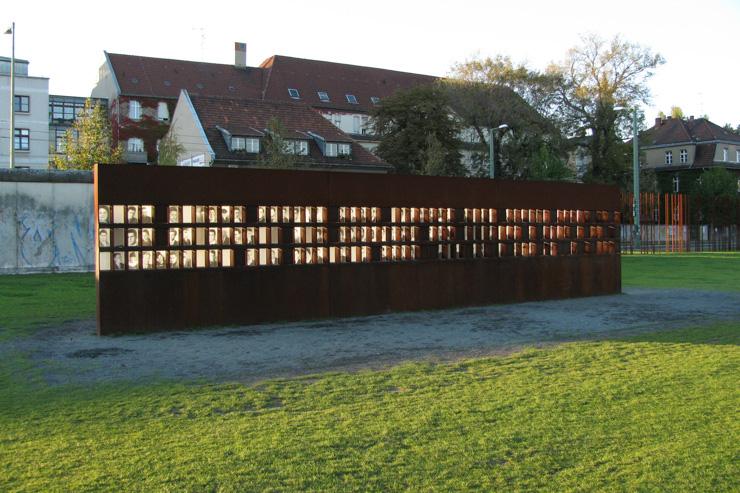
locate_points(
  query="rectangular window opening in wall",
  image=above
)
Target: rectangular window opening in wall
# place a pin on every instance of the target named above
(351, 99)
(135, 145)
(22, 104)
(298, 147)
(134, 110)
(725, 155)
(163, 113)
(323, 96)
(22, 139)
(375, 100)
(668, 157)
(684, 156)
(293, 93)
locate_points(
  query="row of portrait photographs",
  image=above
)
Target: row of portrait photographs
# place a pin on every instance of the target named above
(545, 216)
(119, 237)
(125, 214)
(223, 236)
(202, 214)
(360, 215)
(422, 215)
(165, 259)
(291, 214)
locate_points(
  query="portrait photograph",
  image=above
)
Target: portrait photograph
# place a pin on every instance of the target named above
(238, 214)
(104, 261)
(132, 214)
(147, 260)
(213, 236)
(238, 236)
(213, 214)
(225, 213)
(342, 214)
(308, 214)
(321, 214)
(251, 259)
(173, 214)
(226, 236)
(274, 214)
(174, 259)
(200, 213)
(119, 214)
(147, 236)
(321, 255)
(298, 214)
(133, 260)
(188, 259)
(187, 236)
(298, 256)
(104, 238)
(173, 238)
(213, 258)
(310, 255)
(262, 214)
(147, 214)
(104, 214)
(286, 214)
(249, 236)
(119, 237)
(119, 262)
(276, 256)
(227, 258)
(132, 237)
(160, 259)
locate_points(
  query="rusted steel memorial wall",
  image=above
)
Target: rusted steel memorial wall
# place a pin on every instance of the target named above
(194, 247)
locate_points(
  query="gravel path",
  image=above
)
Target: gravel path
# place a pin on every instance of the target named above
(72, 353)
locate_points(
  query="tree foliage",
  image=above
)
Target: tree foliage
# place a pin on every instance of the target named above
(677, 112)
(592, 79)
(170, 149)
(89, 141)
(414, 125)
(717, 194)
(276, 149)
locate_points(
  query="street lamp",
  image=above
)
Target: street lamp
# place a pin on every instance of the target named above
(11, 31)
(491, 149)
(635, 177)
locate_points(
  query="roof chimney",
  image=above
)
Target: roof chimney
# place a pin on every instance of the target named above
(240, 55)
(691, 118)
(658, 121)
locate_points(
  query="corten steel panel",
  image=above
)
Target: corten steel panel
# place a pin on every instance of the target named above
(173, 299)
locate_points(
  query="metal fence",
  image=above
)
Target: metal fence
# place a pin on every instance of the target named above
(681, 223)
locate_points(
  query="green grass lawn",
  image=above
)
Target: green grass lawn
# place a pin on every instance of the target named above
(651, 413)
(710, 271)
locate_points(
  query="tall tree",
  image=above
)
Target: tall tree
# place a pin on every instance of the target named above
(406, 122)
(592, 79)
(676, 112)
(277, 152)
(89, 141)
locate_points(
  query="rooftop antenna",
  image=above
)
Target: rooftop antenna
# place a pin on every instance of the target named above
(202, 31)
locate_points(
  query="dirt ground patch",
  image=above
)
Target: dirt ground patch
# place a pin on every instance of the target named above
(72, 353)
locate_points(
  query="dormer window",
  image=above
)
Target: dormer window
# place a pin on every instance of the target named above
(293, 93)
(351, 99)
(246, 144)
(163, 113)
(323, 95)
(298, 147)
(335, 149)
(375, 100)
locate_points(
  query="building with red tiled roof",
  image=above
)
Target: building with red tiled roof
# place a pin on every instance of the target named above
(222, 131)
(674, 146)
(142, 91)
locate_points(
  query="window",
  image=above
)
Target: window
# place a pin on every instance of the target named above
(135, 145)
(293, 93)
(364, 128)
(248, 144)
(163, 113)
(323, 96)
(737, 156)
(22, 139)
(684, 156)
(375, 100)
(22, 104)
(60, 141)
(134, 110)
(669, 157)
(330, 150)
(344, 149)
(337, 120)
(299, 147)
(356, 124)
(724, 154)
(676, 184)
(351, 99)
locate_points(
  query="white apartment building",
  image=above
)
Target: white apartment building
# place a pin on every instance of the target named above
(31, 133)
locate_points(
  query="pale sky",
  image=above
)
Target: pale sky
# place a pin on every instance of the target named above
(65, 40)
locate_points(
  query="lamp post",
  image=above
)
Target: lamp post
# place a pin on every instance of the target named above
(11, 31)
(635, 178)
(491, 151)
